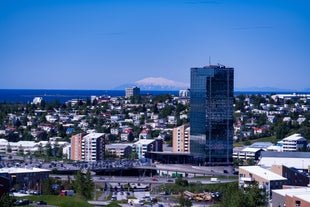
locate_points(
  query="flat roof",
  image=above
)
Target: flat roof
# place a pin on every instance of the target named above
(118, 146)
(170, 153)
(302, 193)
(261, 145)
(286, 154)
(261, 172)
(13, 170)
(144, 141)
(250, 149)
(93, 135)
(299, 163)
(294, 137)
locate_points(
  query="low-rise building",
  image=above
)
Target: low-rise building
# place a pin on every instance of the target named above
(298, 160)
(294, 143)
(266, 179)
(246, 153)
(294, 177)
(291, 197)
(119, 150)
(147, 145)
(26, 178)
(4, 185)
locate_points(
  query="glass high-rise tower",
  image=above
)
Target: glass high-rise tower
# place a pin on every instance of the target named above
(211, 114)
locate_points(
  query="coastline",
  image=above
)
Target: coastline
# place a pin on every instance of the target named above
(49, 95)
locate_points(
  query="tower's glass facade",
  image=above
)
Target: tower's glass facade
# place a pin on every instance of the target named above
(211, 114)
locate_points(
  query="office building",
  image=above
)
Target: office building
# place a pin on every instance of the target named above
(211, 114)
(132, 92)
(181, 139)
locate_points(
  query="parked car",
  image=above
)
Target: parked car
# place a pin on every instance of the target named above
(22, 202)
(41, 203)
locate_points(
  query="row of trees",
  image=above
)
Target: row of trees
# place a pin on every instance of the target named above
(232, 195)
(82, 185)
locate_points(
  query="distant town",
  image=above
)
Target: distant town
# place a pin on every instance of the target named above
(151, 142)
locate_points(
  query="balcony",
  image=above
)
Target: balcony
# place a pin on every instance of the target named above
(247, 179)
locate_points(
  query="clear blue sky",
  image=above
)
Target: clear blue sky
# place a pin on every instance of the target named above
(75, 44)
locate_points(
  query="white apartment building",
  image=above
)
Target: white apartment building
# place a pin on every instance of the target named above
(147, 145)
(93, 147)
(294, 143)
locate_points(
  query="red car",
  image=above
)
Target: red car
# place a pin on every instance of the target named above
(154, 179)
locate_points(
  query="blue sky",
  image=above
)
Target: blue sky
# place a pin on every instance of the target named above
(92, 44)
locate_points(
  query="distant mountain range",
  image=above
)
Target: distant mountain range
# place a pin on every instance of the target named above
(163, 84)
(155, 84)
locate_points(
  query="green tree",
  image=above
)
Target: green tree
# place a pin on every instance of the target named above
(48, 149)
(184, 202)
(281, 130)
(6, 200)
(131, 137)
(47, 186)
(305, 132)
(88, 187)
(83, 185)
(78, 183)
(251, 196)
(181, 182)
(8, 148)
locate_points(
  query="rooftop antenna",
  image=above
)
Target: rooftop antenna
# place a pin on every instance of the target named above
(209, 60)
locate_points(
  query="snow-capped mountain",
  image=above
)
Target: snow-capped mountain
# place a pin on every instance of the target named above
(153, 83)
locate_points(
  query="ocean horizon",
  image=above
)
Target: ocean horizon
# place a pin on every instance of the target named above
(50, 95)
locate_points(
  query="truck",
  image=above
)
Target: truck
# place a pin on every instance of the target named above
(214, 180)
(132, 202)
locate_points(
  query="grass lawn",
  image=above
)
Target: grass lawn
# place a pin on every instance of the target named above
(60, 201)
(272, 139)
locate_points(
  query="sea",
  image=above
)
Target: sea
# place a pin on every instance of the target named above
(27, 95)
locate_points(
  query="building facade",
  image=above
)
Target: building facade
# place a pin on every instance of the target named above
(93, 147)
(211, 114)
(295, 196)
(143, 146)
(294, 143)
(119, 150)
(266, 180)
(25, 178)
(88, 147)
(76, 146)
(294, 176)
(181, 139)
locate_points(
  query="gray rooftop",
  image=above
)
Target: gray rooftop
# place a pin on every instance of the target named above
(286, 154)
(261, 145)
